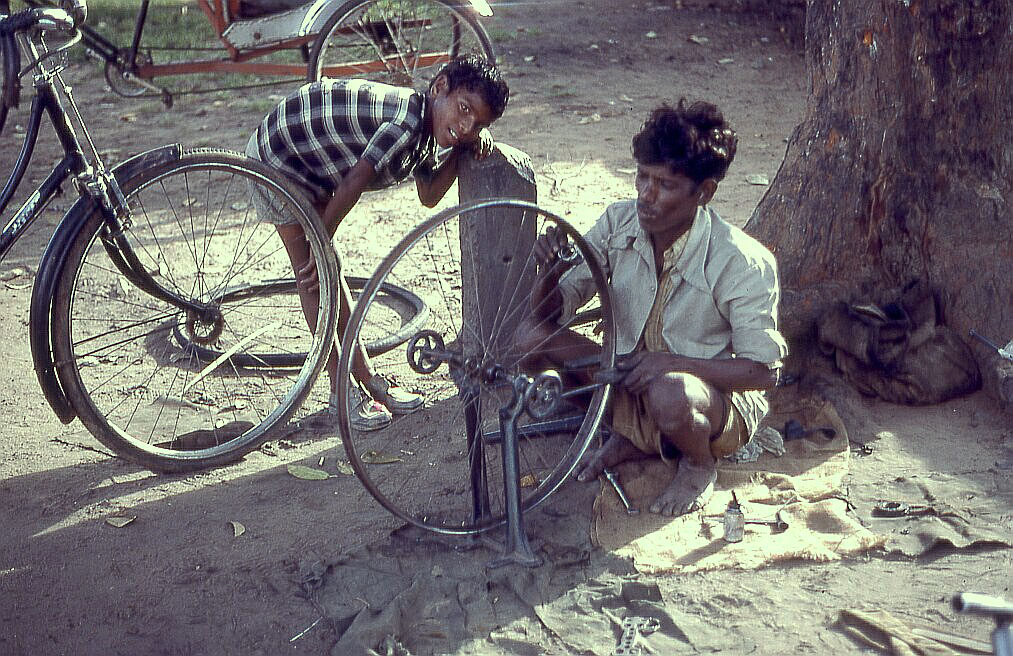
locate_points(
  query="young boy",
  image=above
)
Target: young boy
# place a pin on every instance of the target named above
(338, 138)
(695, 302)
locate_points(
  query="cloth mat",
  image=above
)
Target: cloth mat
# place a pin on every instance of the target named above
(804, 485)
(884, 632)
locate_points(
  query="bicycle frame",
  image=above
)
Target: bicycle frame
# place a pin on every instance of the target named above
(93, 182)
(98, 189)
(243, 40)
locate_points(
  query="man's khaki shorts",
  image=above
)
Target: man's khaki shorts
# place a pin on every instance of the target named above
(631, 420)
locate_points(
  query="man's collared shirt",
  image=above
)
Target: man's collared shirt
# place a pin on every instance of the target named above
(723, 297)
(321, 130)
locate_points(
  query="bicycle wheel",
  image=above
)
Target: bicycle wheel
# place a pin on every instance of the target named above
(400, 42)
(195, 229)
(407, 314)
(423, 466)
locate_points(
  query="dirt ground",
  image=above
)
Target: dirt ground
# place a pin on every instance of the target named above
(178, 580)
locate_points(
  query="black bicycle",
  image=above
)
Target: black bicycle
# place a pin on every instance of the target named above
(157, 314)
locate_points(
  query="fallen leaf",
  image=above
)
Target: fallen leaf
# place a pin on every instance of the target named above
(626, 171)
(529, 58)
(757, 179)
(307, 473)
(651, 35)
(345, 468)
(593, 118)
(528, 480)
(699, 40)
(237, 528)
(377, 458)
(119, 521)
(726, 60)
(11, 274)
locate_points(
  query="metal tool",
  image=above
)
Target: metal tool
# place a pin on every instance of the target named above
(778, 523)
(612, 477)
(633, 628)
(900, 509)
(1004, 352)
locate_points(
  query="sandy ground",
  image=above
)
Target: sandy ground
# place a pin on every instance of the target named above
(177, 580)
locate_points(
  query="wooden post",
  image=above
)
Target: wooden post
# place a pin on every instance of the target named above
(491, 239)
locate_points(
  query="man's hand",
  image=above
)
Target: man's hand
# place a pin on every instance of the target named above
(644, 367)
(548, 247)
(306, 276)
(483, 145)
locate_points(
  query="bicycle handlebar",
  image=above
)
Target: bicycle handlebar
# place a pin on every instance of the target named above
(980, 604)
(46, 18)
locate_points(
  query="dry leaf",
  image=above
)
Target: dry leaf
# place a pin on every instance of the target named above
(652, 35)
(377, 458)
(345, 468)
(11, 274)
(307, 473)
(119, 521)
(726, 60)
(237, 528)
(528, 480)
(699, 40)
(757, 179)
(626, 171)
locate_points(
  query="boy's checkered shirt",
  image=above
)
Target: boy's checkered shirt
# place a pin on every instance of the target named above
(319, 132)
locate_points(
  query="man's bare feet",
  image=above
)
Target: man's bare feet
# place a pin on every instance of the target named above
(689, 490)
(616, 450)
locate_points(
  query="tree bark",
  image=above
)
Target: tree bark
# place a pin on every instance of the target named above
(902, 168)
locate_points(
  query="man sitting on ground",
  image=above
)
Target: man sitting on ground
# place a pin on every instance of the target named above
(695, 301)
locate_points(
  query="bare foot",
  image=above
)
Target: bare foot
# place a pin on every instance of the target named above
(616, 450)
(689, 490)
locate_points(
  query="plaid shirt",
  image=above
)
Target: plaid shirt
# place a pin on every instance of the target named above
(320, 131)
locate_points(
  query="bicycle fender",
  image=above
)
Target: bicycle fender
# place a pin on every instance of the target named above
(40, 318)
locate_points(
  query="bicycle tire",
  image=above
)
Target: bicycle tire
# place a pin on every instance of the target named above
(417, 310)
(194, 227)
(420, 467)
(362, 35)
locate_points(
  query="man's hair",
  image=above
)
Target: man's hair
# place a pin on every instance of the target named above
(693, 140)
(480, 75)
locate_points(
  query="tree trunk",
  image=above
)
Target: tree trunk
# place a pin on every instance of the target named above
(902, 168)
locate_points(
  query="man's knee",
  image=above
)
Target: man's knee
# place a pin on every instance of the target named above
(531, 335)
(677, 403)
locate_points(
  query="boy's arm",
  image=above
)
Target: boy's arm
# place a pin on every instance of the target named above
(347, 194)
(432, 188)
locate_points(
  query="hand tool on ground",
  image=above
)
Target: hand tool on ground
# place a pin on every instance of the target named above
(1004, 352)
(778, 523)
(900, 509)
(612, 477)
(634, 627)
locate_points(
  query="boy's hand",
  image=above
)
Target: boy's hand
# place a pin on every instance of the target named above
(483, 145)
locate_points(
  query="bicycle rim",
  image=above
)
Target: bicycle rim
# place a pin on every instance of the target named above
(194, 226)
(400, 42)
(425, 467)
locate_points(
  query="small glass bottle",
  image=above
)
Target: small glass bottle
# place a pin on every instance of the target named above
(734, 521)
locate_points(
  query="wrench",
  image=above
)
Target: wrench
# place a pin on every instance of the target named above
(612, 477)
(633, 627)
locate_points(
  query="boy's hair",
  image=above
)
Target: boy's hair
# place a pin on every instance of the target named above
(480, 75)
(693, 140)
